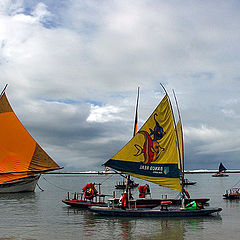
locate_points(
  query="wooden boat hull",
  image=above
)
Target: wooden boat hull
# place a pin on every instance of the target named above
(231, 196)
(176, 202)
(191, 183)
(27, 184)
(140, 203)
(83, 203)
(220, 175)
(116, 212)
(123, 186)
(87, 204)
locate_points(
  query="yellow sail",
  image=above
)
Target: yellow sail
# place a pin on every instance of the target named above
(152, 154)
(20, 154)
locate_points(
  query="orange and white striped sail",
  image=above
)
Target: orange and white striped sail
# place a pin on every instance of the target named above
(20, 155)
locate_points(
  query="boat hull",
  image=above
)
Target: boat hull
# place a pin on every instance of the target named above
(220, 175)
(231, 196)
(87, 204)
(140, 203)
(123, 186)
(27, 184)
(83, 203)
(105, 211)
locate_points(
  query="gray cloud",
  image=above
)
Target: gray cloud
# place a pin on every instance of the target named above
(73, 69)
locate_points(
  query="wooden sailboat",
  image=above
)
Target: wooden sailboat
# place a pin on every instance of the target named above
(221, 171)
(22, 160)
(153, 154)
(79, 200)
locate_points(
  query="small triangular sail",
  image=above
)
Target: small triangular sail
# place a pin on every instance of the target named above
(20, 155)
(221, 168)
(152, 153)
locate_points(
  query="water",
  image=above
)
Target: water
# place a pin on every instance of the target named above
(42, 215)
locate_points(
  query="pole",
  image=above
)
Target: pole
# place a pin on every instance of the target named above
(174, 122)
(136, 115)
(134, 133)
(182, 156)
(3, 91)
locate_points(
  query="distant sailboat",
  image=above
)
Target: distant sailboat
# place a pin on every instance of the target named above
(22, 160)
(153, 154)
(221, 171)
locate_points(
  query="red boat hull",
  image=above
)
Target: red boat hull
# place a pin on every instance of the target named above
(140, 203)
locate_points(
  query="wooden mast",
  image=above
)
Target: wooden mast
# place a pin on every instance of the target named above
(134, 133)
(174, 122)
(182, 157)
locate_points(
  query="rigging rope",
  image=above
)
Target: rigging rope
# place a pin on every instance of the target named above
(68, 189)
(54, 184)
(40, 187)
(235, 184)
(107, 178)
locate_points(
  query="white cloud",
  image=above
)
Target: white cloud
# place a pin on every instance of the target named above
(103, 114)
(203, 133)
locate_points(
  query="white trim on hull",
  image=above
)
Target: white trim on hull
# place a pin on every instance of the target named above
(27, 184)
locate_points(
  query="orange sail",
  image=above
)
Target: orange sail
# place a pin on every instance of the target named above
(20, 154)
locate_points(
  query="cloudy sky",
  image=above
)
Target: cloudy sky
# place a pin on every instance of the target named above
(73, 68)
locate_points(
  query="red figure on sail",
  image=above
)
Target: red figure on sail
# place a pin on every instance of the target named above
(151, 148)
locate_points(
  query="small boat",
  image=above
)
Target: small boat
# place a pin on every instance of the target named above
(221, 171)
(22, 160)
(80, 201)
(89, 196)
(233, 193)
(188, 182)
(122, 185)
(174, 212)
(155, 154)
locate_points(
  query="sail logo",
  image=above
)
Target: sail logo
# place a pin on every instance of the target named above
(166, 170)
(151, 148)
(155, 169)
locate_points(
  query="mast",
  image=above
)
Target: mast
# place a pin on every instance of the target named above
(134, 129)
(136, 115)
(3, 91)
(174, 122)
(182, 155)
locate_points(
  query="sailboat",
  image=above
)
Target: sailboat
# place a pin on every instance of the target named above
(22, 160)
(221, 170)
(154, 155)
(233, 193)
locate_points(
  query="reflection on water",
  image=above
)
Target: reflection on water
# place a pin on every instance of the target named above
(42, 215)
(99, 227)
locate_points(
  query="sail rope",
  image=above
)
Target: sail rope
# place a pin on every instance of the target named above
(55, 184)
(107, 178)
(40, 187)
(235, 184)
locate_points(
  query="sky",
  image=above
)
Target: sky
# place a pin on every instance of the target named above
(73, 68)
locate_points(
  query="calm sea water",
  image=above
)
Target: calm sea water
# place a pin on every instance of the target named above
(42, 215)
